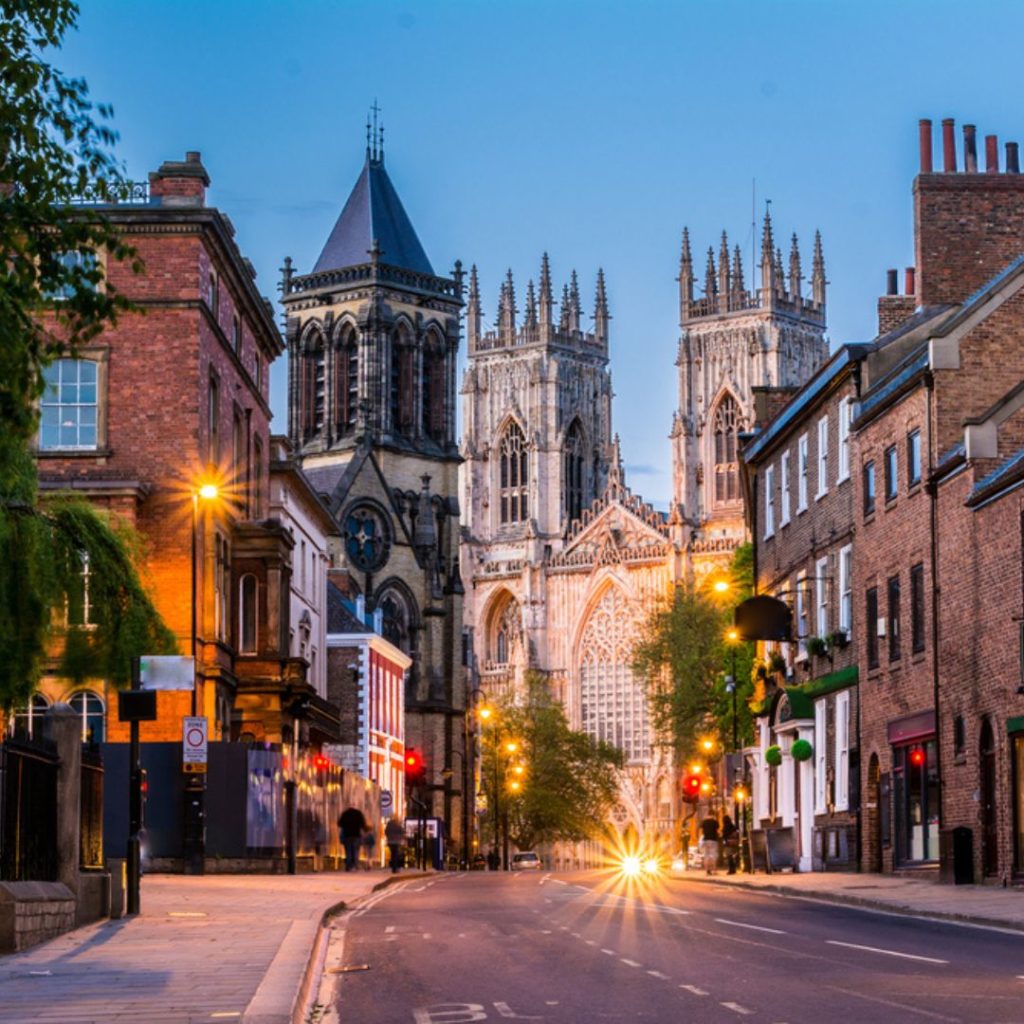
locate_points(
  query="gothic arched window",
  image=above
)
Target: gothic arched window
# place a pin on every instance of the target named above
(397, 617)
(514, 475)
(346, 381)
(613, 703)
(726, 428)
(313, 385)
(505, 629)
(572, 472)
(403, 357)
(433, 389)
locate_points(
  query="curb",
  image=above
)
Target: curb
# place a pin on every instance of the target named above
(309, 983)
(866, 902)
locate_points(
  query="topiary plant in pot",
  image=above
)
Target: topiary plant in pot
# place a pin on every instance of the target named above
(801, 750)
(773, 755)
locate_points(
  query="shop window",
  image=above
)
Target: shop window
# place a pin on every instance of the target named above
(916, 802)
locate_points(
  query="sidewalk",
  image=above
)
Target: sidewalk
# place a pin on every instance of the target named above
(900, 894)
(210, 948)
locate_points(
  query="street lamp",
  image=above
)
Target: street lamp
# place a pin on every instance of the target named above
(732, 637)
(207, 492)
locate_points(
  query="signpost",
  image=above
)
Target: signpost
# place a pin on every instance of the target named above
(387, 803)
(135, 706)
(194, 745)
(166, 672)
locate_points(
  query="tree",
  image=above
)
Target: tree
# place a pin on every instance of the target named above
(569, 780)
(685, 656)
(53, 298)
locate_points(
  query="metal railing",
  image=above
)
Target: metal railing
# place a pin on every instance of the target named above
(28, 811)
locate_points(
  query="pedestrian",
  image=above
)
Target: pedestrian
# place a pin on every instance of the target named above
(493, 860)
(370, 844)
(351, 826)
(394, 836)
(731, 839)
(709, 831)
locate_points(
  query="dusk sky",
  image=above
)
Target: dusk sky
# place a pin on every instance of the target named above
(594, 131)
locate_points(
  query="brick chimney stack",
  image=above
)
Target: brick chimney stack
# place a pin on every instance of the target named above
(967, 225)
(180, 183)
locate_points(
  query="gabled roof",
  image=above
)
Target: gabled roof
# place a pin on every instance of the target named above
(373, 214)
(339, 618)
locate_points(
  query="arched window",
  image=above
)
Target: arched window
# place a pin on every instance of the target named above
(28, 721)
(613, 701)
(514, 475)
(397, 620)
(726, 428)
(433, 390)
(313, 385)
(247, 592)
(403, 357)
(90, 710)
(506, 626)
(572, 472)
(346, 382)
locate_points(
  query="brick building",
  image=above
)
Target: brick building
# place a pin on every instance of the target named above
(173, 397)
(801, 515)
(935, 433)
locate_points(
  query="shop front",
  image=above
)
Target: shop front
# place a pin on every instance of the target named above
(915, 789)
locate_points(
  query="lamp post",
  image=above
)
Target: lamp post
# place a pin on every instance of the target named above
(733, 638)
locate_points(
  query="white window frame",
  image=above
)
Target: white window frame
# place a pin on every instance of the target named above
(846, 590)
(821, 598)
(845, 408)
(802, 467)
(784, 489)
(802, 618)
(822, 458)
(769, 502)
(762, 808)
(820, 756)
(842, 799)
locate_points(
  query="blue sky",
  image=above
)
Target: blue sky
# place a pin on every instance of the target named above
(594, 131)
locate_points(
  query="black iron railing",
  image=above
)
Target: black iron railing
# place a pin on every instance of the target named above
(28, 811)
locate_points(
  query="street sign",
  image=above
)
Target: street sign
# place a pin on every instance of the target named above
(136, 706)
(194, 744)
(166, 672)
(387, 802)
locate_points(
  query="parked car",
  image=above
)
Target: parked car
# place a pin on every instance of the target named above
(478, 863)
(525, 862)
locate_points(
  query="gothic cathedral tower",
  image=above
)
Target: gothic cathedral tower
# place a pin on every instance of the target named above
(373, 337)
(734, 342)
(536, 448)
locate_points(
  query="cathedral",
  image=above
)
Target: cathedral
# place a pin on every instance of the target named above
(561, 560)
(373, 336)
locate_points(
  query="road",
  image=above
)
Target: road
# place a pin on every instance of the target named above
(583, 947)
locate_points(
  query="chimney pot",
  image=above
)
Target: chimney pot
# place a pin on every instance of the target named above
(970, 150)
(924, 128)
(1012, 158)
(192, 156)
(948, 146)
(991, 154)
(891, 285)
(909, 281)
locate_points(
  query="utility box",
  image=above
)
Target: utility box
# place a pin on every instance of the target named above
(956, 855)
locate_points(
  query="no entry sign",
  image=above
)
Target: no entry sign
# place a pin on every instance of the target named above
(193, 744)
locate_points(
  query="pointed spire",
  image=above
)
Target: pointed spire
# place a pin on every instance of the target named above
(616, 474)
(575, 306)
(601, 317)
(685, 277)
(710, 285)
(531, 305)
(818, 281)
(767, 239)
(563, 313)
(795, 274)
(473, 309)
(737, 276)
(544, 301)
(723, 274)
(779, 279)
(507, 311)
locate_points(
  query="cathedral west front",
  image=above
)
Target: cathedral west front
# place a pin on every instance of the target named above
(561, 561)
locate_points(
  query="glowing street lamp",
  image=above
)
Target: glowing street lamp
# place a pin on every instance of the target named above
(206, 492)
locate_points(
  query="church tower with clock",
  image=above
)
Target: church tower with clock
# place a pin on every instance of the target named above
(373, 334)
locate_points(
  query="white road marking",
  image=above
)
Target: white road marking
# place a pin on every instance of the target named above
(506, 1011)
(590, 942)
(390, 928)
(559, 881)
(629, 963)
(564, 927)
(576, 935)
(551, 1002)
(545, 931)
(426, 935)
(886, 952)
(693, 989)
(752, 927)
(736, 1008)
(658, 974)
(609, 952)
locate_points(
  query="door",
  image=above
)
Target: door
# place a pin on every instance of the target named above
(989, 831)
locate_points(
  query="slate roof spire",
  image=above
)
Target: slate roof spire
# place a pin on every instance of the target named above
(374, 213)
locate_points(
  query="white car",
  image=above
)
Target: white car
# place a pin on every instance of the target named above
(525, 862)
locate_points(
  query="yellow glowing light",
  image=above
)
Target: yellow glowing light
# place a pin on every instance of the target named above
(732, 636)
(721, 586)
(740, 794)
(515, 785)
(696, 768)
(631, 866)
(707, 745)
(485, 712)
(651, 866)
(511, 746)
(518, 769)
(208, 492)
(705, 787)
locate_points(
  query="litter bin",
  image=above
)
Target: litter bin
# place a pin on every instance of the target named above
(963, 856)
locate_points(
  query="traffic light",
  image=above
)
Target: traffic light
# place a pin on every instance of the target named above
(692, 787)
(415, 769)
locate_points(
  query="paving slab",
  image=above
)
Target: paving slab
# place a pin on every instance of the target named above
(208, 948)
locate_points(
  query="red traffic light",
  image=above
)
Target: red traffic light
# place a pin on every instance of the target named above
(917, 757)
(321, 763)
(415, 770)
(691, 787)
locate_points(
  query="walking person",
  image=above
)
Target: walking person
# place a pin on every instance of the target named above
(370, 845)
(394, 836)
(731, 839)
(351, 825)
(709, 830)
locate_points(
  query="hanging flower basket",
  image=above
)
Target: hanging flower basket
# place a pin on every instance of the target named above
(773, 755)
(801, 750)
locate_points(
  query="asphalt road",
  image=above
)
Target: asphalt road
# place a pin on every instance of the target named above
(593, 947)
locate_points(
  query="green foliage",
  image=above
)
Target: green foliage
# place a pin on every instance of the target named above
(685, 655)
(51, 150)
(570, 781)
(773, 755)
(801, 750)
